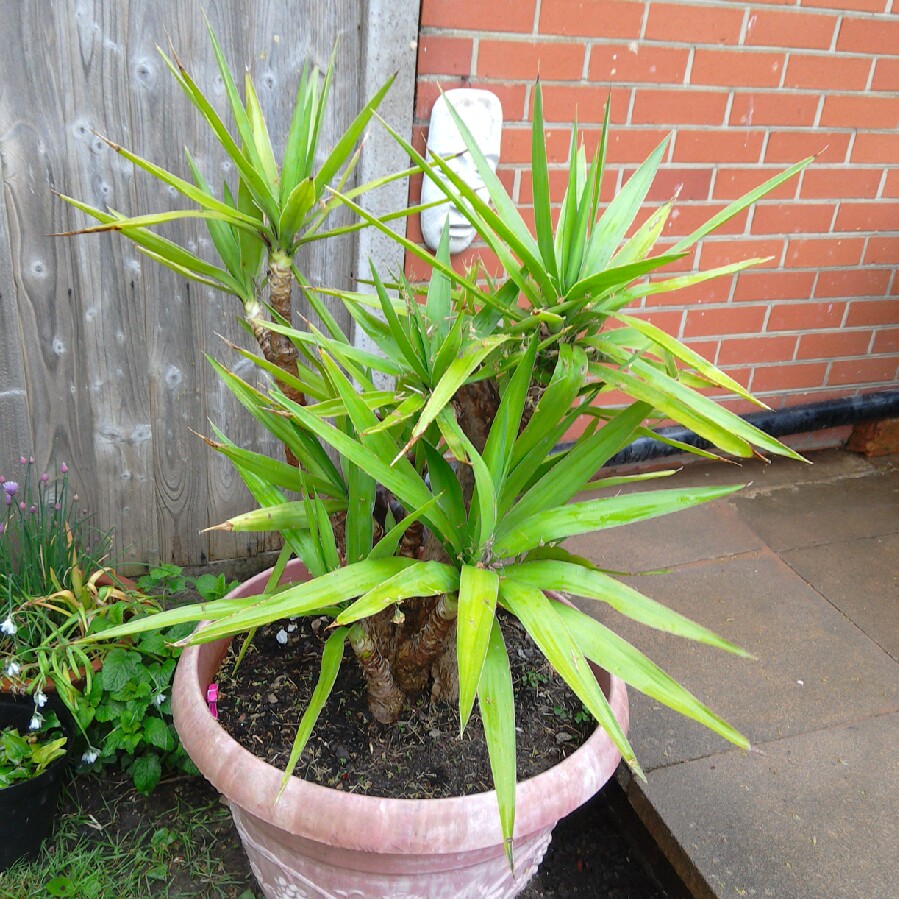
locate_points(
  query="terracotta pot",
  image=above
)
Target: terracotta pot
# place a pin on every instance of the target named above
(319, 842)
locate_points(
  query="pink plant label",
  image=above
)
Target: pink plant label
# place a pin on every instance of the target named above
(212, 695)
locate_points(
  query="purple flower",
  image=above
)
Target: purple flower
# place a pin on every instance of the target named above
(22, 506)
(45, 477)
(33, 510)
(10, 487)
(23, 460)
(63, 469)
(2, 526)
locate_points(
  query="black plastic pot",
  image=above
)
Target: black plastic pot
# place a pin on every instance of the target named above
(28, 808)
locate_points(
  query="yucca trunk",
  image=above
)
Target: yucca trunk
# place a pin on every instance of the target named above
(404, 655)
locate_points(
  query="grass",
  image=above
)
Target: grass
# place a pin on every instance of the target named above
(119, 850)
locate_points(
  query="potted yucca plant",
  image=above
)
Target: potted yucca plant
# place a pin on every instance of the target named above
(440, 524)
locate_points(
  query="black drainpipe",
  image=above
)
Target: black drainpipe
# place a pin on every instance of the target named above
(791, 420)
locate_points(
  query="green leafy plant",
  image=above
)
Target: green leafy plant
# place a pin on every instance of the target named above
(56, 586)
(126, 715)
(25, 756)
(450, 500)
(169, 580)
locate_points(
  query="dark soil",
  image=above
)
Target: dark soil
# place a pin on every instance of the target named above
(419, 757)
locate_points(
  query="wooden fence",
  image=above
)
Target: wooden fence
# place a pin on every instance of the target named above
(101, 349)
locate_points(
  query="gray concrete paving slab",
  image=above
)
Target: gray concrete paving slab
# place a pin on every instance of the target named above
(814, 667)
(762, 476)
(709, 531)
(861, 579)
(813, 514)
(800, 569)
(813, 817)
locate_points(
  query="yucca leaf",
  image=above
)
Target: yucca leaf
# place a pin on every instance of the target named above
(161, 247)
(419, 579)
(329, 589)
(739, 205)
(266, 494)
(403, 412)
(485, 222)
(521, 242)
(438, 305)
(456, 375)
(609, 231)
(259, 129)
(305, 380)
(248, 174)
(342, 149)
(567, 380)
(275, 472)
(617, 656)
(298, 204)
(449, 350)
(416, 250)
(496, 701)
(245, 130)
(398, 332)
(478, 589)
(594, 584)
(610, 278)
(500, 443)
(220, 232)
(685, 354)
(540, 179)
(369, 453)
(586, 213)
(529, 605)
(387, 545)
(681, 281)
(574, 471)
(360, 505)
(314, 458)
(637, 247)
(294, 165)
(445, 484)
(275, 518)
(320, 309)
(701, 414)
(568, 211)
(551, 524)
(332, 656)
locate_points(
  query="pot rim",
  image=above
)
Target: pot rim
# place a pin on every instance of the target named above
(375, 823)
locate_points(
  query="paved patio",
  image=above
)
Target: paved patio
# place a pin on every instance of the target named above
(801, 569)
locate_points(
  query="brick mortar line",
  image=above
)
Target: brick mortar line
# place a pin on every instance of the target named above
(526, 37)
(857, 15)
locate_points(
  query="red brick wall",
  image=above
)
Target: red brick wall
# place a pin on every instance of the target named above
(746, 90)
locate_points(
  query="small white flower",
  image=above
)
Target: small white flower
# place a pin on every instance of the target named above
(291, 628)
(281, 636)
(36, 721)
(159, 699)
(40, 700)
(12, 669)
(8, 627)
(90, 756)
